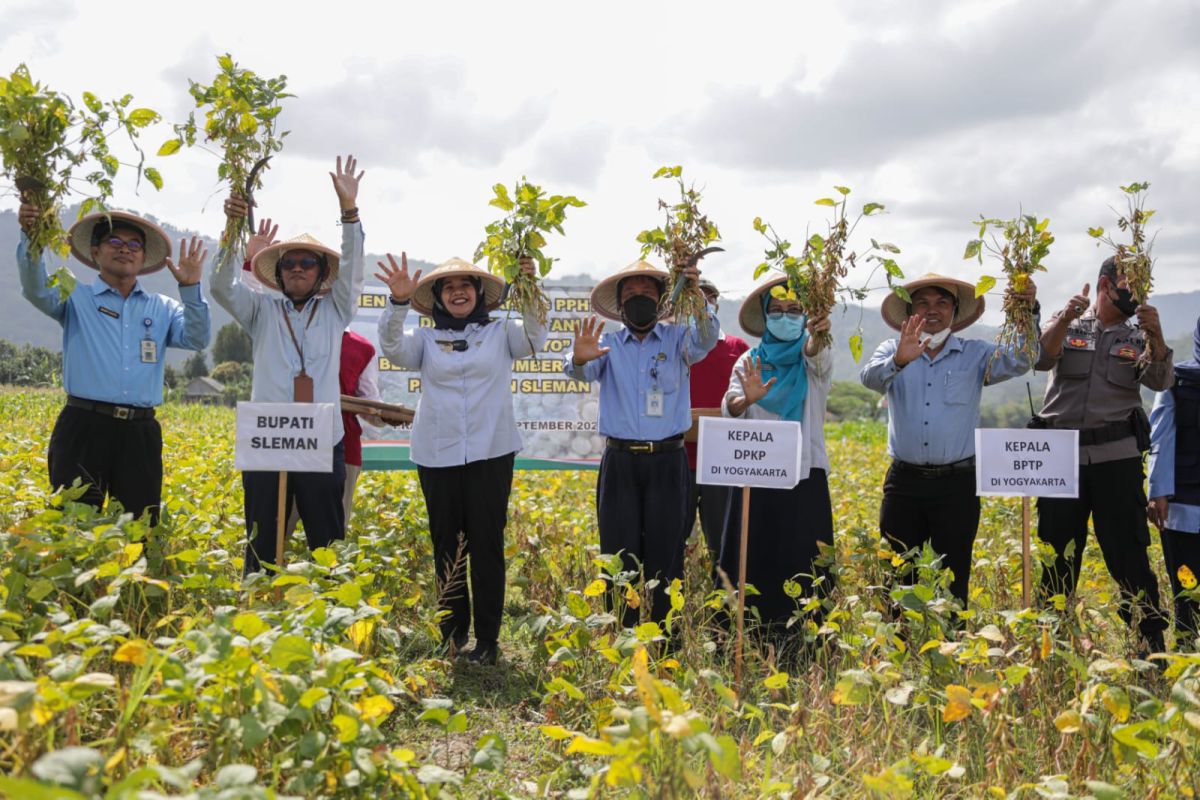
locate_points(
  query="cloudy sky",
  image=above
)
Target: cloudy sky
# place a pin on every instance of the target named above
(941, 111)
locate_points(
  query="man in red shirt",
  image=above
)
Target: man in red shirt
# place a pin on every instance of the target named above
(709, 382)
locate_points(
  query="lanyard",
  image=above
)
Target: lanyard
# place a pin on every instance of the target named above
(291, 332)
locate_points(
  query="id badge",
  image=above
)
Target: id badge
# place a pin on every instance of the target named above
(654, 403)
(302, 388)
(149, 351)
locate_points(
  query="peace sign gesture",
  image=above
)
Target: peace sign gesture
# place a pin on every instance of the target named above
(345, 183)
(587, 341)
(397, 278)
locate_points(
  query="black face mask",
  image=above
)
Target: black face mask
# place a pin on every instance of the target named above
(1125, 303)
(640, 312)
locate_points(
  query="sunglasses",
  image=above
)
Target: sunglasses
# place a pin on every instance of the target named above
(308, 262)
(778, 315)
(116, 243)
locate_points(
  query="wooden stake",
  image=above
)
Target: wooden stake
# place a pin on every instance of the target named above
(741, 609)
(281, 516)
(1026, 593)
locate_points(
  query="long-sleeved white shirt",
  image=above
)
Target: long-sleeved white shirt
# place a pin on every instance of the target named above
(819, 369)
(465, 412)
(276, 362)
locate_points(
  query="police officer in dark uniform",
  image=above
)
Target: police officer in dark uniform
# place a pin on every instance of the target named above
(1095, 383)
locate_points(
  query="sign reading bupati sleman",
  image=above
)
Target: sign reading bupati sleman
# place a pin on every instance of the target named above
(284, 437)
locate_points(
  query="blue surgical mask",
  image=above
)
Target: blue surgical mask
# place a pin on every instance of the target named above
(786, 328)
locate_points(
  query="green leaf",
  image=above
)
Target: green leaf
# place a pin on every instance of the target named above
(984, 285)
(1105, 791)
(871, 208)
(761, 270)
(490, 753)
(348, 594)
(826, 201)
(974, 248)
(776, 681)
(154, 177)
(170, 147)
(77, 768)
(1095, 233)
(844, 190)
(249, 624)
(457, 723)
(27, 789)
(233, 775)
(141, 117)
(289, 650)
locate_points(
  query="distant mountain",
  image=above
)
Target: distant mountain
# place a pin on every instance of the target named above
(22, 323)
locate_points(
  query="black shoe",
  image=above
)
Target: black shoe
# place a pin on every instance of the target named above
(486, 653)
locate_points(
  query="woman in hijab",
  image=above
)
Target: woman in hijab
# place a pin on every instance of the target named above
(787, 377)
(1175, 490)
(464, 434)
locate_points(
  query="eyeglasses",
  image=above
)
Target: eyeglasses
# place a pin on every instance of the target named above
(116, 243)
(308, 262)
(775, 316)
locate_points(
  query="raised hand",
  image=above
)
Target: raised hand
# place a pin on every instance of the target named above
(910, 347)
(752, 383)
(587, 341)
(692, 273)
(397, 278)
(263, 239)
(1028, 294)
(818, 323)
(1078, 304)
(236, 207)
(345, 182)
(27, 216)
(191, 262)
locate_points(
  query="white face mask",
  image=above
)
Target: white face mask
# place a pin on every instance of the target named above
(935, 340)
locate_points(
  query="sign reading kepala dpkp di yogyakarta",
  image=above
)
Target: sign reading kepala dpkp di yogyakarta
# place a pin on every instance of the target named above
(555, 413)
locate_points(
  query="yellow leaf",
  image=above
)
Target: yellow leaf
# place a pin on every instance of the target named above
(556, 732)
(403, 754)
(1046, 645)
(360, 631)
(375, 707)
(645, 683)
(347, 728)
(1069, 722)
(595, 588)
(33, 651)
(958, 703)
(632, 598)
(590, 746)
(132, 553)
(776, 681)
(115, 759)
(1187, 578)
(132, 652)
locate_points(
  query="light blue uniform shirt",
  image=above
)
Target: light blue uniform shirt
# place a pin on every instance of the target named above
(933, 403)
(1180, 516)
(262, 313)
(103, 333)
(631, 369)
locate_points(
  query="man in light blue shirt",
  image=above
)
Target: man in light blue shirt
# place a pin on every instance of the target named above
(1175, 490)
(296, 330)
(114, 337)
(933, 381)
(645, 408)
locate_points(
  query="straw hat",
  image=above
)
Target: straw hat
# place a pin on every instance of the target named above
(493, 285)
(158, 244)
(604, 296)
(264, 263)
(751, 317)
(970, 307)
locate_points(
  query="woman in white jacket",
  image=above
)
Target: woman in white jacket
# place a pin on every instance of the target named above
(464, 434)
(786, 377)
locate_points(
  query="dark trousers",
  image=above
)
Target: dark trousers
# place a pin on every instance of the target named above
(1183, 550)
(470, 501)
(641, 509)
(118, 458)
(943, 511)
(711, 502)
(1111, 494)
(317, 496)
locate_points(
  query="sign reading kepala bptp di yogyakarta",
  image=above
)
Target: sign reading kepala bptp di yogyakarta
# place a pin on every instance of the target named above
(1026, 462)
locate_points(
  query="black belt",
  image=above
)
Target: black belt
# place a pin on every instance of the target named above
(646, 448)
(110, 410)
(967, 465)
(1112, 432)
